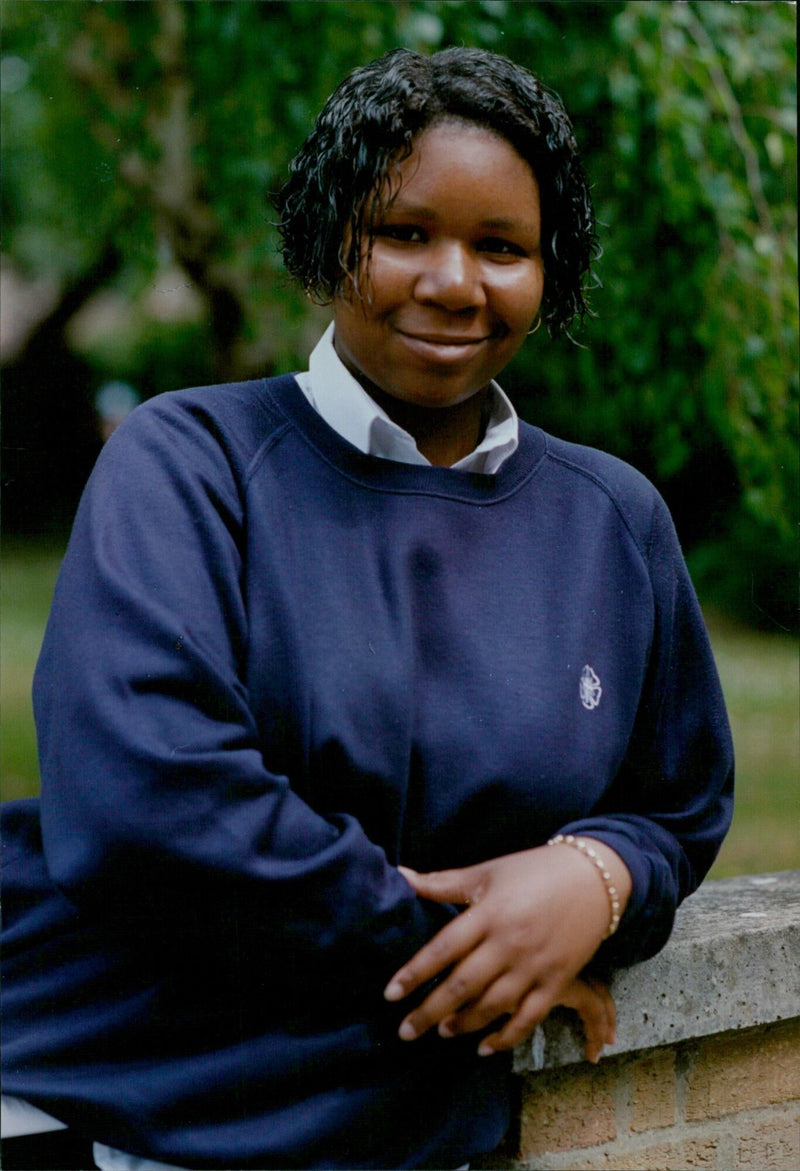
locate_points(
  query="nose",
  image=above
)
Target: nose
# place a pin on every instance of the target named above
(450, 277)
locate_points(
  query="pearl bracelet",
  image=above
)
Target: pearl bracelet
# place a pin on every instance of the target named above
(590, 853)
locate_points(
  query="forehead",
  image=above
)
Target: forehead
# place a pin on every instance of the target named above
(457, 166)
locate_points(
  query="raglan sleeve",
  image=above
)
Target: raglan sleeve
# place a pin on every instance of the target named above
(160, 817)
(671, 803)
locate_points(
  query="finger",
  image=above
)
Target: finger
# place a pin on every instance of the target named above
(599, 1017)
(592, 1002)
(500, 999)
(449, 945)
(530, 1012)
(602, 989)
(464, 886)
(597, 1005)
(467, 982)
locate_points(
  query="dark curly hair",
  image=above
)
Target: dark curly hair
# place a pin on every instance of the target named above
(368, 126)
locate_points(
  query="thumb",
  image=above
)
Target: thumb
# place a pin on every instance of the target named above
(462, 886)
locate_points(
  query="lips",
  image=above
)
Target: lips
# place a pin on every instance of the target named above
(442, 339)
(442, 349)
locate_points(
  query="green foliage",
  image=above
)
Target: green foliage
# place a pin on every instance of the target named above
(716, 87)
(160, 128)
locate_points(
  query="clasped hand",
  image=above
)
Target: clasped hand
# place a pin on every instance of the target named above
(532, 922)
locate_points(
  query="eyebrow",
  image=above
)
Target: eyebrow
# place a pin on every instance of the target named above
(502, 224)
(494, 223)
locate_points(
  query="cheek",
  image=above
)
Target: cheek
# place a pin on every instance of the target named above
(359, 338)
(520, 299)
(389, 279)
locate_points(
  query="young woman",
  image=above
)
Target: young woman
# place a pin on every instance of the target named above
(369, 716)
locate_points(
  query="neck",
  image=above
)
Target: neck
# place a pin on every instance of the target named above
(444, 435)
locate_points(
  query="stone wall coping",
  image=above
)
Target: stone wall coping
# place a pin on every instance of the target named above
(732, 962)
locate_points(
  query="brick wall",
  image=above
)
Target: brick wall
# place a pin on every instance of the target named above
(726, 1102)
(706, 1069)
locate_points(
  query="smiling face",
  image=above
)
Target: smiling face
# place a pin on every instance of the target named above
(455, 277)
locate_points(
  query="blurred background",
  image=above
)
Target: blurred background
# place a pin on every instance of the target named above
(140, 142)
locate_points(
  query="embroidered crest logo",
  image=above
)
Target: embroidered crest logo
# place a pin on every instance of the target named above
(590, 689)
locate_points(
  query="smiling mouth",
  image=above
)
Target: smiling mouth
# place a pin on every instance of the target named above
(435, 339)
(442, 350)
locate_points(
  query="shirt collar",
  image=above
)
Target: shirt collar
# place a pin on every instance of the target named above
(346, 407)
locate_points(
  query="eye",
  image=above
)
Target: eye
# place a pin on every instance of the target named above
(499, 246)
(403, 233)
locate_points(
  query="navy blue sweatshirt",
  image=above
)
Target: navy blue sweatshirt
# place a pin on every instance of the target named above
(275, 669)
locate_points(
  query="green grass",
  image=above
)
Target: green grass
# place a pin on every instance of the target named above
(759, 675)
(27, 577)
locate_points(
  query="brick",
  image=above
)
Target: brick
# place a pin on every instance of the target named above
(653, 1090)
(568, 1108)
(742, 1071)
(654, 1158)
(674, 1156)
(608, 1161)
(697, 1153)
(773, 1145)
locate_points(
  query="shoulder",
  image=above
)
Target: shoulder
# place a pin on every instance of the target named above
(599, 479)
(610, 474)
(230, 421)
(241, 413)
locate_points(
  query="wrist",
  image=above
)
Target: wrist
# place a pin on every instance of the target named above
(610, 869)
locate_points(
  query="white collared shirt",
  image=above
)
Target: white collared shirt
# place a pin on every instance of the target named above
(346, 407)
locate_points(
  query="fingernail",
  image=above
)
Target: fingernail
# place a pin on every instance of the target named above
(407, 1032)
(446, 1029)
(394, 991)
(485, 1049)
